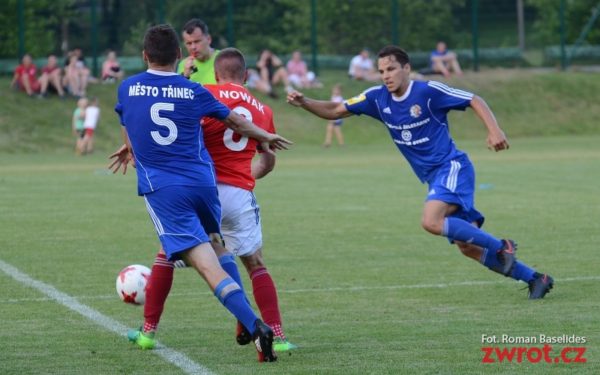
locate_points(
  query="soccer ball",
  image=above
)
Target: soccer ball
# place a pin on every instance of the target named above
(131, 284)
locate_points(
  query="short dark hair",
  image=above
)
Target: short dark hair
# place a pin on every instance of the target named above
(161, 45)
(400, 54)
(195, 23)
(230, 63)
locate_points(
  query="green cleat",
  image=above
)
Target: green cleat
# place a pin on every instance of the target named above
(280, 345)
(143, 340)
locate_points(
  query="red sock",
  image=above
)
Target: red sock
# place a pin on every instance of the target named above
(157, 290)
(265, 296)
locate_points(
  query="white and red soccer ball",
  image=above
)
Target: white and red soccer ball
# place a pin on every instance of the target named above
(131, 284)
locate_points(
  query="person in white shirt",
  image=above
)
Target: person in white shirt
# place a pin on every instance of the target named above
(92, 115)
(362, 67)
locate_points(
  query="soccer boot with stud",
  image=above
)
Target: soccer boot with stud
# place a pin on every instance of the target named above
(145, 340)
(242, 336)
(280, 345)
(263, 339)
(540, 285)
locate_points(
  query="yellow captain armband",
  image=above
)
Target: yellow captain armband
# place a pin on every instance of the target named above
(356, 99)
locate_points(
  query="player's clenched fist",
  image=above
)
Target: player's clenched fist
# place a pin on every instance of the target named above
(295, 98)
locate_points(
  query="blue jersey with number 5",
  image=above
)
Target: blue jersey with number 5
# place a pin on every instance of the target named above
(161, 113)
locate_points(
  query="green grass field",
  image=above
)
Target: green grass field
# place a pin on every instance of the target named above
(363, 289)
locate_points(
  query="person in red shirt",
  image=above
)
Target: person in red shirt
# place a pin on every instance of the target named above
(51, 76)
(25, 76)
(236, 174)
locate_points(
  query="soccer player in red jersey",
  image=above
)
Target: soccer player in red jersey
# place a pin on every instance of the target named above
(236, 174)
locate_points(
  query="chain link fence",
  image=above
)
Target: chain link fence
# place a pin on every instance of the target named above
(484, 33)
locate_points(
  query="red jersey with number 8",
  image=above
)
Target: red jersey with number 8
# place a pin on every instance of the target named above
(232, 153)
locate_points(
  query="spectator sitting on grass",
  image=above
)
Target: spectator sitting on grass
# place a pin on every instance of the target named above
(111, 69)
(51, 78)
(76, 74)
(444, 61)
(253, 81)
(362, 67)
(25, 76)
(298, 73)
(271, 71)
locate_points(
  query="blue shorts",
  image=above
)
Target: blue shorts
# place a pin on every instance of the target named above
(454, 183)
(338, 122)
(184, 216)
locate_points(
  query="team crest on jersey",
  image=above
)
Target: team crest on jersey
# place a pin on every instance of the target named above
(356, 99)
(415, 111)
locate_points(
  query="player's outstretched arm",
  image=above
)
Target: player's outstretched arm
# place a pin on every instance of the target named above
(243, 127)
(122, 157)
(496, 140)
(327, 110)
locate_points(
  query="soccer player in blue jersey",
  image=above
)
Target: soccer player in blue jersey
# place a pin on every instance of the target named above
(414, 113)
(160, 112)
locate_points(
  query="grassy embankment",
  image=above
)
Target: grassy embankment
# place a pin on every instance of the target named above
(525, 103)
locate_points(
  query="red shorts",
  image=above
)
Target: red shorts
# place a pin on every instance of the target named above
(34, 84)
(89, 132)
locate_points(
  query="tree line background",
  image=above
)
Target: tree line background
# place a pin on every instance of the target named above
(342, 26)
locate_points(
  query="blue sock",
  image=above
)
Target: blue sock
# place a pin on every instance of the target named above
(490, 259)
(460, 230)
(230, 266)
(232, 297)
(522, 272)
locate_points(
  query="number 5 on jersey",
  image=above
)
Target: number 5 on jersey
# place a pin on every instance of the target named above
(162, 121)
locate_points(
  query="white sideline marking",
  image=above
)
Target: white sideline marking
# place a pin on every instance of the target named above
(425, 286)
(178, 359)
(327, 290)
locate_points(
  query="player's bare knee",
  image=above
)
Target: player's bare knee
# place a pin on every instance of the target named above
(207, 269)
(253, 261)
(432, 226)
